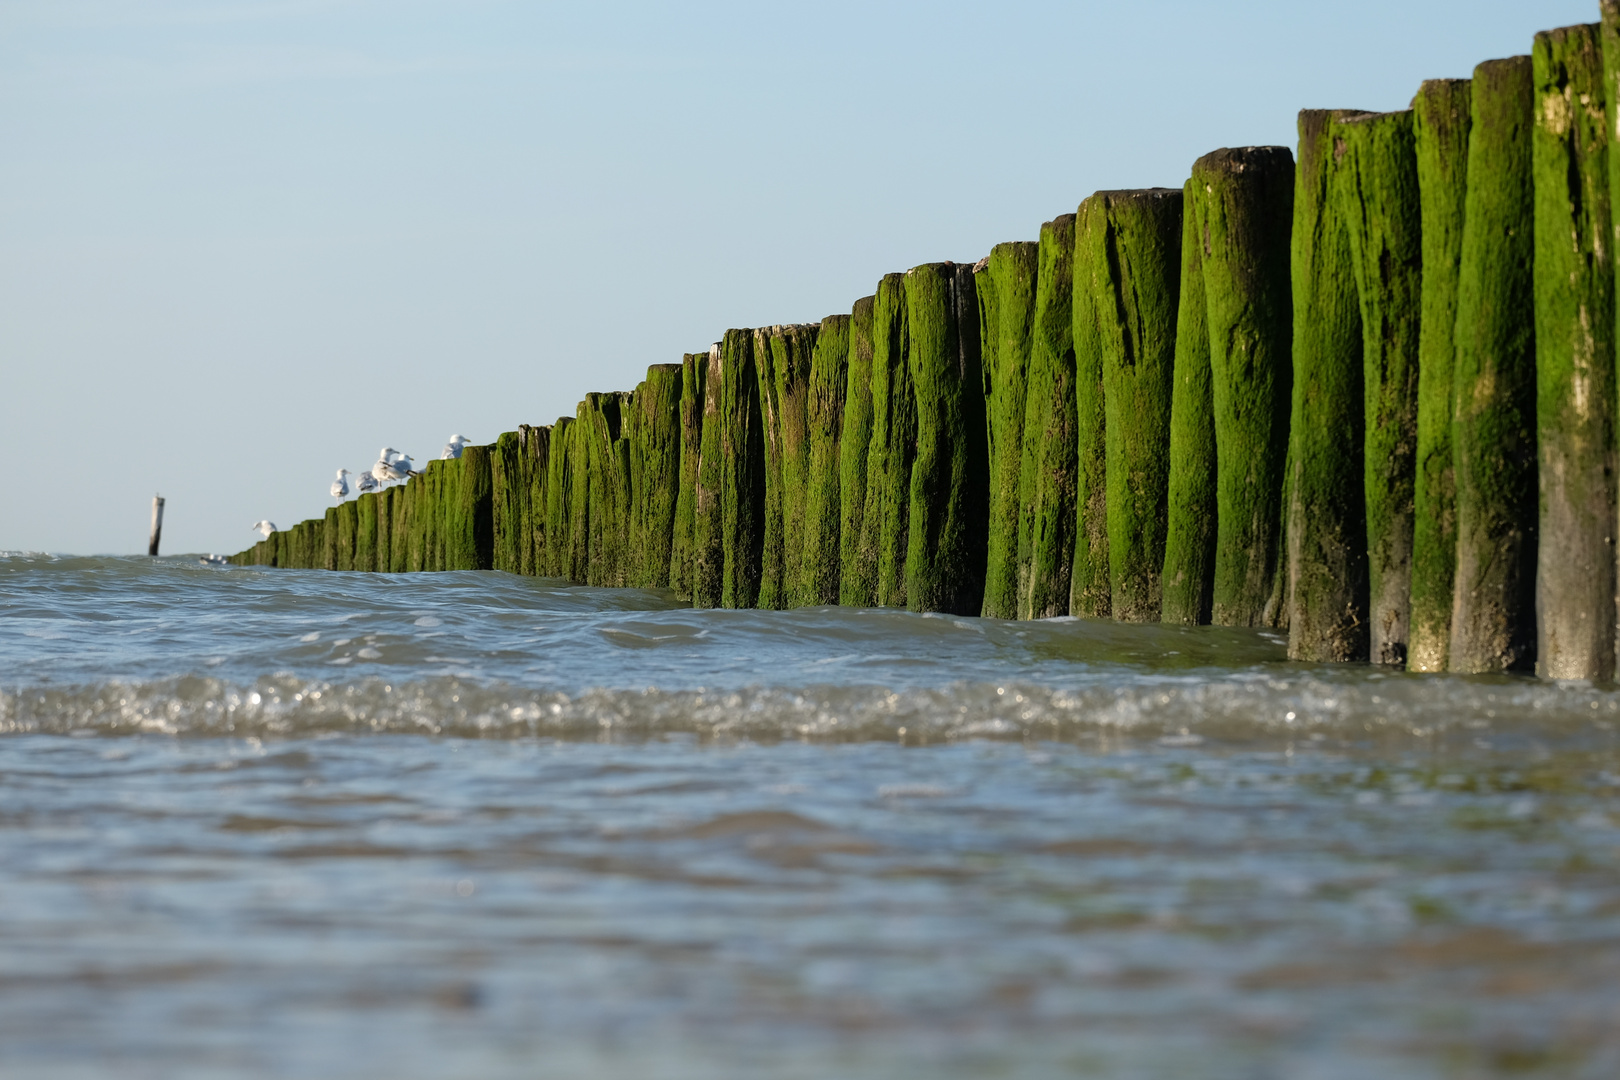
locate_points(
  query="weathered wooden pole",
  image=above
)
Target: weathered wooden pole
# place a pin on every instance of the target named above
(683, 539)
(742, 469)
(383, 552)
(535, 446)
(1327, 527)
(330, 533)
(1378, 200)
(1140, 282)
(610, 495)
(829, 379)
(1006, 283)
(1440, 133)
(1188, 578)
(578, 563)
(708, 510)
(347, 528)
(857, 578)
(1575, 356)
(885, 528)
(365, 532)
(156, 534)
(1046, 516)
(1090, 591)
(1245, 219)
(783, 355)
(1494, 438)
(654, 426)
(560, 481)
(507, 492)
(470, 511)
(950, 478)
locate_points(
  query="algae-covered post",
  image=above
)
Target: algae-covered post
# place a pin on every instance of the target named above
(580, 436)
(347, 526)
(1327, 526)
(1376, 188)
(1090, 592)
(365, 532)
(560, 481)
(609, 496)
(383, 560)
(1006, 287)
(1189, 548)
(470, 543)
(1494, 448)
(708, 513)
(782, 355)
(742, 470)
(1046, 514)
(857, 578)
(1139, 278)
(535, 447)
(829, 379)
(1440, 134)
(1246, 214)
(507, 489)
(950, 479)
(885, 528)
(654, 423)
(683, 539)
(1575, 357)
(327, 549)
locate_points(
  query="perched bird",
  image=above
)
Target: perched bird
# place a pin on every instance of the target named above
(264, 528)
(387, 468)
(452, 449)
(366, 483)
(404, 462)
(340, 486)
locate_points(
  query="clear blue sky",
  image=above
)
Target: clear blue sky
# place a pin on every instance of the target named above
(244, 243)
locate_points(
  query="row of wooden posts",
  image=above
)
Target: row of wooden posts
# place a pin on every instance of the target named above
(1368, 395)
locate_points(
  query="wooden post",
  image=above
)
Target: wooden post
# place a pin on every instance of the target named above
(157, 526)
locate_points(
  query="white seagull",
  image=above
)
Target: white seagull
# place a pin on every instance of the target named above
(404, 462)
(386, 468)
(366, 483)
(264, 528)
(340, 486)
(452, 449)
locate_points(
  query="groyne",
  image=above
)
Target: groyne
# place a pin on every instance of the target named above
(1364, 393)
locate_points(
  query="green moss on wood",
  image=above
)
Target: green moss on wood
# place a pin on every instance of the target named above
(1047, 511)
(950, 477)
(857, 584)
(535, 443)
(1188, 578)
(1090, 577)
(1245, 217)
(1140, 272)
(1006, 284)
(1327, 528)
(1575, 357)
(609, 490)
(742, 470)
(470, 511)
(885, 530)
(683, 535)
(559, 500)
(1377, 194)
(508, 492)
(577, 563)
(383, 558)
(708, 506)
(654, 426)
(829, 379)
(365, 532)
(782, 355)
(1494, 437)
(1440, 120)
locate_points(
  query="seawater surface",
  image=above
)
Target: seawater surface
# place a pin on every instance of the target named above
(289, 823)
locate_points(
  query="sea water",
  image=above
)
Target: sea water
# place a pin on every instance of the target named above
(285, 823)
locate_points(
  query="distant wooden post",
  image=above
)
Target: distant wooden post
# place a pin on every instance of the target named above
(157, 526)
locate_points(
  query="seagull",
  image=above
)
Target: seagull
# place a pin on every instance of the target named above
(366, 483)
(264, 528)
(340, 486)
(385, 469)
(452, 449)
(404, 462)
